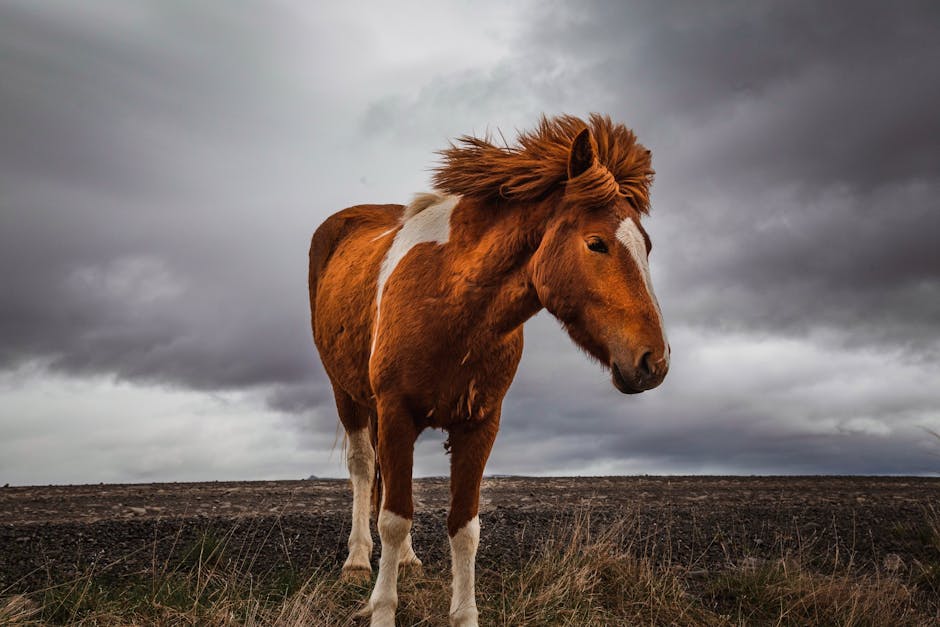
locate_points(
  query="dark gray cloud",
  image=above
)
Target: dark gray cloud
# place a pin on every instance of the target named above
(823, 93)
(797, 156)
(163, 165)
(144, 185)
(768, 404)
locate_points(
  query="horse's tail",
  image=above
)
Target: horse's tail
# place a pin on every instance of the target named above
(377, 482)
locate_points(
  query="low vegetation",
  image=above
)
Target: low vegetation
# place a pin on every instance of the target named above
(583, 576)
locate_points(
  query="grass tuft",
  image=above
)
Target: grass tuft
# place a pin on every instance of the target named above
(786, 594)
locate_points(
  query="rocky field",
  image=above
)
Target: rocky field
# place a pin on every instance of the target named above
(703, 524)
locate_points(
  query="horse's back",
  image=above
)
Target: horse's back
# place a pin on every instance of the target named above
(345, 254)
(344, 224)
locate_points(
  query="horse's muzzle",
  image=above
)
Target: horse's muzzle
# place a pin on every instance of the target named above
(647, 374)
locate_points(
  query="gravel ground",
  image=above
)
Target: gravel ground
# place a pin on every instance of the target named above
(703, 523)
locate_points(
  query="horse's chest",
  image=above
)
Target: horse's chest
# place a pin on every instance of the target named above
(455, 381)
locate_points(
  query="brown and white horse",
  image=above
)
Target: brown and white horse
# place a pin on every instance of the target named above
(417, 313)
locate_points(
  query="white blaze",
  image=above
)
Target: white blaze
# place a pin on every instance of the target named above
(431, 224)
(629, 235)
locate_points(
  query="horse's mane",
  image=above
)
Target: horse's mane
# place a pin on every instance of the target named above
(422, 201)
(538, 164)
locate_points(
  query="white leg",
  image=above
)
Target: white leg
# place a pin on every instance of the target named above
(463, 554)
(393, 530)
(408, 557)
(360, 459)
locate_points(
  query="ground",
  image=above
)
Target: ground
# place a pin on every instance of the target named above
(703, 524)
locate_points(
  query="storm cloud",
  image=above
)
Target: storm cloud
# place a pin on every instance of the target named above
(163, 165)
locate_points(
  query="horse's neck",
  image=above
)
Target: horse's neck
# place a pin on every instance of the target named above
(497, 244)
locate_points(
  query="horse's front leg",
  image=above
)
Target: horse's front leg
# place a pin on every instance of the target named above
(470, 448)
(396, 439)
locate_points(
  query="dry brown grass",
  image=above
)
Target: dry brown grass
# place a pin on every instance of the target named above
(787, 594)
(581, 577)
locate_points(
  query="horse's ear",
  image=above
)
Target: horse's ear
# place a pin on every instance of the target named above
(583, 154)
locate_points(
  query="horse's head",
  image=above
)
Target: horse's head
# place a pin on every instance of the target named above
(591, 272)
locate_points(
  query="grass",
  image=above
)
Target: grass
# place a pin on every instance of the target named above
(581, 577)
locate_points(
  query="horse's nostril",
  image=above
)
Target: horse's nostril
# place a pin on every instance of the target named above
(645, 367)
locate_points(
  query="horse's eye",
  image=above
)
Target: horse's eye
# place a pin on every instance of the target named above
(597, 245)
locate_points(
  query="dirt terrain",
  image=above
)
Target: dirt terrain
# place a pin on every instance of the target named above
(702, 523)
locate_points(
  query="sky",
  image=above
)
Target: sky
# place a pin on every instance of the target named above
(163, 165)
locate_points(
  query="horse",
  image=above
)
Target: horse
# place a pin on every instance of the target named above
(417, 313)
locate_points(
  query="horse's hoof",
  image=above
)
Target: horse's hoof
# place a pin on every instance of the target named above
(356, 574)
(363, 612)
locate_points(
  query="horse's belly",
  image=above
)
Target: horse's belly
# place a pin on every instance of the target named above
(446, 377)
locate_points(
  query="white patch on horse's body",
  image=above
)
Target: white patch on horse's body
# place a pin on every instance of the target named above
(360, 459)
(463, 551)
(426, 219)
(629, 235)
(393, 530)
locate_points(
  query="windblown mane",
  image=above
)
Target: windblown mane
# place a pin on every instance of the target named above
(538, 164)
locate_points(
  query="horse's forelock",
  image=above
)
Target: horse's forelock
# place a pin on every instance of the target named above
(596, 186)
